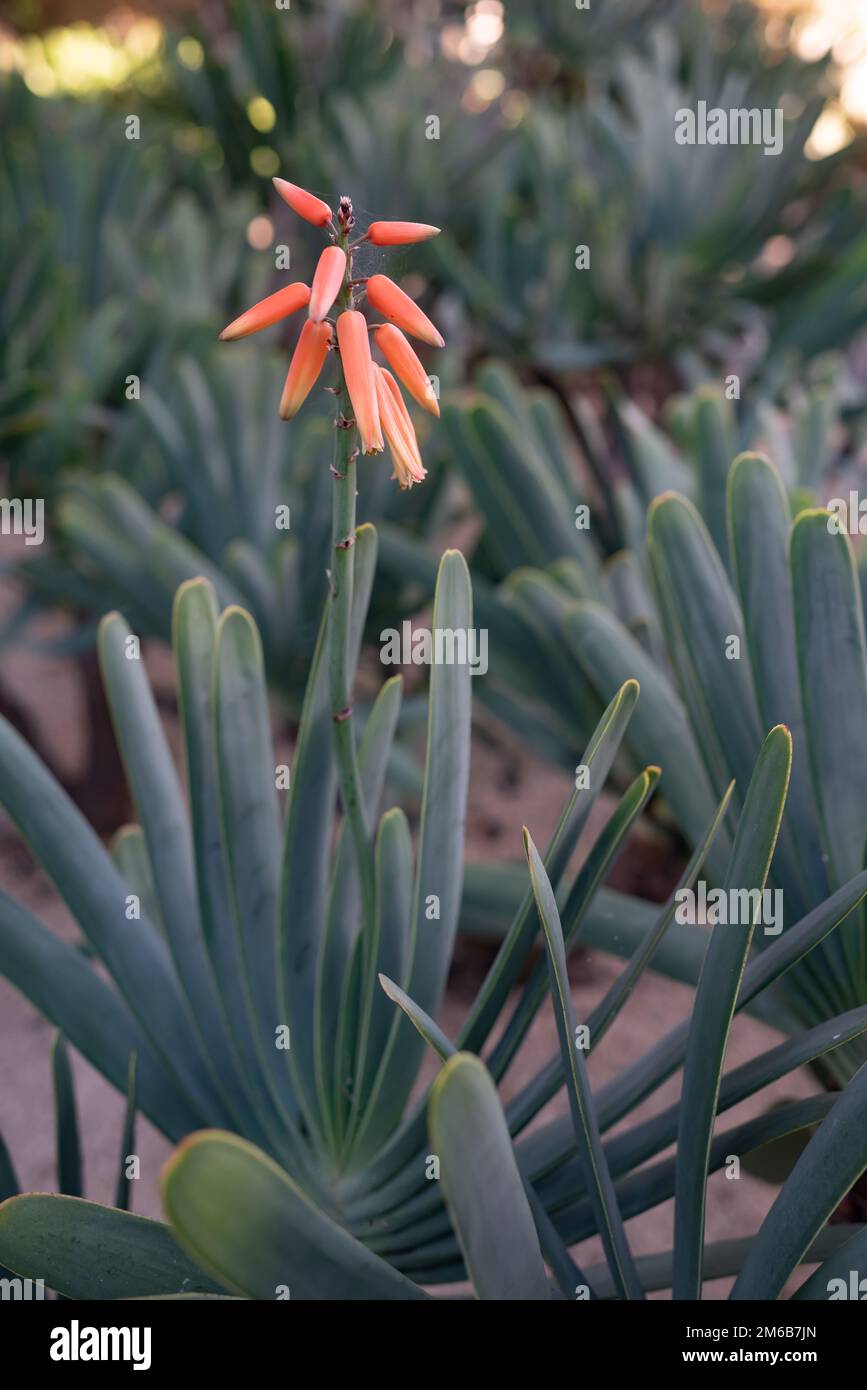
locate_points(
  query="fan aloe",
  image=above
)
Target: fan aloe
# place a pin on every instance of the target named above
(226, 933)
(230, 956)
(784, 639)
(507, 1220)
(736, 616)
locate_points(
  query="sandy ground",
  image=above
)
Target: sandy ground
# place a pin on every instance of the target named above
(507, 790)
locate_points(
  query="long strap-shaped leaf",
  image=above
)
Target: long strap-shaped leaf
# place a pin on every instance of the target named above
(830, 1165)
(722, 1260)
(162, 814)
(439, 864)
(594, 870)
(542, 602)
(550, 1077)
(549, 1146)
(716, 446)
(251, 834)
(70, 1168)
(127, 1140)
(650, 454)
(759, 525)
(483, 1188)
(194, 628)
(626, 1151)
(622, 1094)
(129, 851)
(616, 922)
(86, 878)
(701, 617)
(597, 761)
(388, 950)
(638, 1191)
(343, 920)
(84, 1250)
(589, 1142)
(430, 1031)
(714, 1007)
(307, 845)
(831, 644)
(242, 1217)
(833, 667)
(607, 653)
(527, 519)
(160, 806)
(390, 1166)
(849, 1261)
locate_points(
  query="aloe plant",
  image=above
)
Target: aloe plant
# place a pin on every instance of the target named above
(248, 992)
(81, 205)
(109, 275)
(744, 609)
(680, 286)
(782, 639)
(212, 931)
(247, 53)
(604, 95)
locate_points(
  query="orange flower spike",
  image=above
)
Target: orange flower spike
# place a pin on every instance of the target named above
(408, 467)
(400, 233)
(327, 282)
(388, 299)
(271, 310)
(358, 372)
(307, 361)
(400, 356)
(311, 208)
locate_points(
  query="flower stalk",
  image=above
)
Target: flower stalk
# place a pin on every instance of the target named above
(342, 587)
(370, 412)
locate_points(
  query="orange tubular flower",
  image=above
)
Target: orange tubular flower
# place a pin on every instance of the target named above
(374, 397)
(400, 233)
(267, 311)
(358, 371)
(311, 208)
(326, 282)
(398, 429)
(385, 296)
(307, 360)
(401, 356)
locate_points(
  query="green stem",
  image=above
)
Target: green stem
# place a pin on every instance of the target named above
(342, 582)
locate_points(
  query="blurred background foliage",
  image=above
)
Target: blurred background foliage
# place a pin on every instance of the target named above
(526, 132)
